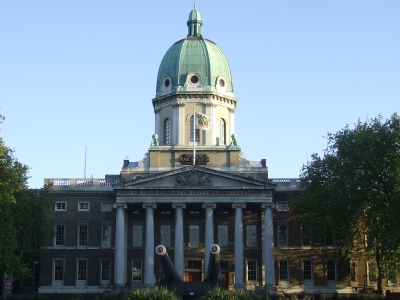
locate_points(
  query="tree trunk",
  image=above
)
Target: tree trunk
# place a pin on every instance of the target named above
(380, 283)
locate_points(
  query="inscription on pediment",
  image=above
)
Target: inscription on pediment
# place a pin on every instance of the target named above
(193, 178)
(187, 159)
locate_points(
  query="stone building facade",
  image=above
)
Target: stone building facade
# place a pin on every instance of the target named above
(106, 230)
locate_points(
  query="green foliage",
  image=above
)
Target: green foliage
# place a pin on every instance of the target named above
(156, 294)
(353, 191)
(23, 215)
(221, 294)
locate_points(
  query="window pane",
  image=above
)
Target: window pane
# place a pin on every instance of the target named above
(307, 269)
(167, 132)
(105, 270)
(106, 206)
(222, 132)
(331, 270)
(251, 240)
(106, 236)
(83, 235)
(59, 235)
(137, 270)
(137, 240)
(58, 269)
(223, 235)
(194, 239)
(282, 236)
(283, 270)
(252, 270)
(81, 270)
(166, 235)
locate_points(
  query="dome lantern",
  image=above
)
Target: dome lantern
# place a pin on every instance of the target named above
(194, 23)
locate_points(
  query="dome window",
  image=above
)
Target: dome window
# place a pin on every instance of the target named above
(167, 82)
(194, 79)
(221, 82)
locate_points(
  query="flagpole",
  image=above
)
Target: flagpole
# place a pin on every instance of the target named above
(194, 137)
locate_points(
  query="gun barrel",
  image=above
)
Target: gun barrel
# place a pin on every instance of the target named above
(213, 269)
(167, 266)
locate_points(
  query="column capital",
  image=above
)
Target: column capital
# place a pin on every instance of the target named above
(182, 205)
(157, 111)
(209, 205)
(150, 205)
(231, 110)
(121, 205)
(239, 205)
(268, 205)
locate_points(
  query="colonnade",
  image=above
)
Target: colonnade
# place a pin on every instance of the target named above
(120, 267)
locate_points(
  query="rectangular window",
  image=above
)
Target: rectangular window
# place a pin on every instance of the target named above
(282, 206)
(305, 236)
(194, 208)
(83, 206)
(81, 269)
(60, 206)
(251, 236)
(194, 236)
(282, 236)
(137, 270)
(283, 270)
(252, 270)
(106, 206)
(307, 270)
(165, 209)
(331, 270)
(59, 235)
(330, 239)
(223, 235)
(137, 239)
(106, 236)
(83, 235)
(166, 235)
(58, 269)
(222, 208)
(194, 264)
(105, 270)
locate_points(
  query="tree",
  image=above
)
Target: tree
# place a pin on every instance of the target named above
(24, 224)
(353, 192)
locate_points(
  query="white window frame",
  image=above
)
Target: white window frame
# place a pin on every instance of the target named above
(60, 209)
(286, 270)
(109, 236)
(107, 209)
(334, 269)
(78, 260)
(102, 280)
(250, 269)
(311, 271)
(251, 236)
(54, 270)
(166, 235)
(79, 235)
(137, 241)
(55, 235)
(194, 236)
(141, 270)
(223, 235)
(83, 209)
(280, 236)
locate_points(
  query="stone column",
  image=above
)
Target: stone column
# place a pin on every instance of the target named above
(119, 256)
(179, 253)
(157, 128)
(149, 245)
(209, 240)
(178, 123)
(211, 134)
(231, 127)
(239, 246)
(269, 246)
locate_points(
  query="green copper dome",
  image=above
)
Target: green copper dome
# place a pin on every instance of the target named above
(194, 58)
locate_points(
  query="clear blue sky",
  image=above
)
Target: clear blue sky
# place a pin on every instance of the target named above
(83, 73)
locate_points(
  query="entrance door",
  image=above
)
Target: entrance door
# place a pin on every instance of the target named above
(194, 276)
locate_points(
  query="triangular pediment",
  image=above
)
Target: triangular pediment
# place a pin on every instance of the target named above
(194, 177)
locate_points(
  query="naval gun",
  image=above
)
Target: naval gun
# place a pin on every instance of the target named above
(174, 282)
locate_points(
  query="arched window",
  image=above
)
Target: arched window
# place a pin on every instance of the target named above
(222, 131)
(167, 132)
(191, 130)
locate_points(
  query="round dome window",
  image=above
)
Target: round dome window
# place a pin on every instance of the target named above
(194, 79)
(221, 82)
(167, 82)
